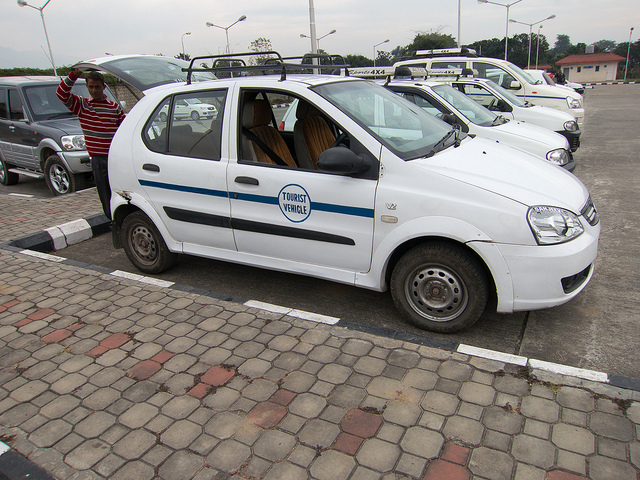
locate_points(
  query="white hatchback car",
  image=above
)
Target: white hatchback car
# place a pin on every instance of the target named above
(368, 190)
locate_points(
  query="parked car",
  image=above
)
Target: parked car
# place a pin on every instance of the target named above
(40, 137)
(544, 78)
(191, 108)
(505, 103)
(368, 190)
(503, 73)
(443, 101)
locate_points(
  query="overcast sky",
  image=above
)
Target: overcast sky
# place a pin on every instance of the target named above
(85, 29)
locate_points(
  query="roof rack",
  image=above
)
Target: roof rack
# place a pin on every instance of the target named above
(444, 52)
(271, 62)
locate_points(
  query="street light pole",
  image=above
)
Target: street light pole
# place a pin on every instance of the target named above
(182, 38)
(628, 51)
(538, 46)
(23, 3)
(506, 34)
(226, 29)
(374, 51)
(302, 35)
(550, 17)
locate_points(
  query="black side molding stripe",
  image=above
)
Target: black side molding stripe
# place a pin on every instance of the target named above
(251, 226)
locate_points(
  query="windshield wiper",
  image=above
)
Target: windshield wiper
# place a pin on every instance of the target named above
(499, 120)
(442, 143)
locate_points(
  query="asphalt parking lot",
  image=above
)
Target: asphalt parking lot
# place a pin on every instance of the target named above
(595, 331)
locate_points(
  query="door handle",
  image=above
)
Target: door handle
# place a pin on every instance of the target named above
(151, 167)
(247, 180)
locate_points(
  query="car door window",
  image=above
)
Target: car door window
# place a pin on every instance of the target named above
(449, 64)
(429, 107)
(494, 73)
(16, 110)
(188, 125)
(480, 94)
(3, 103)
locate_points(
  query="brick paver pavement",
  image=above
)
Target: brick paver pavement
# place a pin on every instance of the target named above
(105, 377)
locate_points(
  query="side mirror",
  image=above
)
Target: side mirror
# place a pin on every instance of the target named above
(514, 85)
(341, 161)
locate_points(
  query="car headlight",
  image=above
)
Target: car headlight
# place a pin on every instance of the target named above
(73, 142)
(559, 156)
(574, 102)
(552, 225)
(571, 126)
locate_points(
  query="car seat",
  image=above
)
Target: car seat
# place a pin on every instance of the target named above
(261, 140)
(311, 135)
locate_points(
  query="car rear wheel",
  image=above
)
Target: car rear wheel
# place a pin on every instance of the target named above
(439, 287)
(6, 177)
(59, 179)
(144, 244)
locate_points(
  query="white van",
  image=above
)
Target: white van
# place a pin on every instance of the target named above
(503, 73)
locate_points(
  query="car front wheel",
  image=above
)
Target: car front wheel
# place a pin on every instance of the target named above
(439, 287)
(195, 116)
(59, 179)
(144, 244)
(6, 177)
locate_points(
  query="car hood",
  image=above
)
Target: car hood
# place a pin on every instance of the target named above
(143, 71)
(508, 172)
(67, 126)
(527, 134)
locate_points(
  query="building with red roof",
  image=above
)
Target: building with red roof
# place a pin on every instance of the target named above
(591, 67)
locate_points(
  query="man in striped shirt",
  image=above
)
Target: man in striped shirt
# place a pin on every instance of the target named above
(99, 119)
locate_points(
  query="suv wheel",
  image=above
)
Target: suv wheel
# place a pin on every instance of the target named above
(144, 244)
(59, 180)
(195, 116)
(6, 177)
(439, 287)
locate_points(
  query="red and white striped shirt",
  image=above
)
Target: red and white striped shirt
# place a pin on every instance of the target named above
(99, 119)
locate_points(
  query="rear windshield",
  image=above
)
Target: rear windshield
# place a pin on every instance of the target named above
(45, 105)
(471, 109)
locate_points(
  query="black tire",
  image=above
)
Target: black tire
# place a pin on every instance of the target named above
(59, 179)
(195, 116)
(144, 244)
(6, 177)
(439, 287)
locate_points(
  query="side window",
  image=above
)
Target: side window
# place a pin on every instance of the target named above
(15, 105)
(428, 106)
(494, 72)
(3, 103)
(450, 64)
(188, 125)
(481, 95)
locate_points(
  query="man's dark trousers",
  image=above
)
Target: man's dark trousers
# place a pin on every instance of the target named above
(101, 177)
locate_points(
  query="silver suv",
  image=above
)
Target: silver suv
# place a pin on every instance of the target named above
(39, 137)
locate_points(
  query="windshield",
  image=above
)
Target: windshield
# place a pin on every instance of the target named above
(45, 105)
(513, 99)
(399, 125)
(468, 107)
(527, 78)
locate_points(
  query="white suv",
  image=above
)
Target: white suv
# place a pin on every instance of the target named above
(368, 190)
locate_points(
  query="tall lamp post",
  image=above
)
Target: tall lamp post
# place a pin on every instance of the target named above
(374, 50)
(226, 29)
(538, 45)
(23, 3)
(302, 35)
(506, 34)
(628, 51)
(182, 38)
(531, 34)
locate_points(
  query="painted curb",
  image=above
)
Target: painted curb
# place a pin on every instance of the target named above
(13, 466)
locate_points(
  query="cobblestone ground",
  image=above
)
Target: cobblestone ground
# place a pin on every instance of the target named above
(21, 216)
(103, 377)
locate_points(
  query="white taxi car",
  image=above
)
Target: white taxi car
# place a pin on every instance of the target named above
(368, 190)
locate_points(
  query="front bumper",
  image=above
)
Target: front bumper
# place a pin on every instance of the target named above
(544, 276)
(78, 162)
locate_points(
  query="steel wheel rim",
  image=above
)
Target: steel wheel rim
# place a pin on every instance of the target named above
(2, 173)
(144, 244)
(436, 293)
(59, 179)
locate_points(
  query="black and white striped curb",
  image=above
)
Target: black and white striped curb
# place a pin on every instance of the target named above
(554, 368)
(611, 82)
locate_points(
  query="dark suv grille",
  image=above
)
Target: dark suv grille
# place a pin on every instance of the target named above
(590, 213)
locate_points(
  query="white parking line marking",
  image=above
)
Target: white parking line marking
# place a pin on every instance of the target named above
(43, 256)
(570, 371)
(4, 448)
(141, 278)
(492, 355)
(314, 317)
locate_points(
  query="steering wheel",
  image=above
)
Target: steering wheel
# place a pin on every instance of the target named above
(492, 103)
(339, 140)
